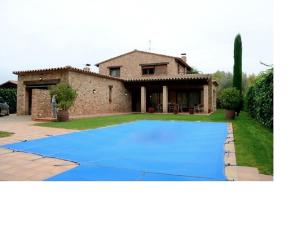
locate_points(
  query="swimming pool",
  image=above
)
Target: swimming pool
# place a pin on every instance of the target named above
(140, 150)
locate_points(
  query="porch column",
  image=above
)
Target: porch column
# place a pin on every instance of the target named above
(143, 99)
(165, 99)
(205, 98)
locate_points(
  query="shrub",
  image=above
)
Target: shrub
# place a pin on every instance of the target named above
(230, 98)
(259, 99)
(10, 96)
(65, 95)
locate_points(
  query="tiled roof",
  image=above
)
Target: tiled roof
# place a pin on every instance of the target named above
(179, 77)
(170, 77)
(66, 68)
(10, 81)
(7, 82)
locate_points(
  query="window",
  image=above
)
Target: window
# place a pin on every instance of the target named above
(114, 71)
(110, 93)
(148, 70)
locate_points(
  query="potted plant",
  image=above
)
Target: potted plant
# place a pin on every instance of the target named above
(65, 97)
(230, 99)
(191, 110)
(151, 109)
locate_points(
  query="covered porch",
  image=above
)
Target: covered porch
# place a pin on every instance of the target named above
(167, 95)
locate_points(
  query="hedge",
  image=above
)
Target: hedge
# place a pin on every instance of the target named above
(259, 99)
(10, 96)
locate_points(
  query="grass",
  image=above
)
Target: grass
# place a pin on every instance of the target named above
(4, 134)
(253, 142)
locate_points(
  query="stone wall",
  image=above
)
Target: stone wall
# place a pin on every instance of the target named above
(23, 94)
(93, 95)
(41, 104)
(181, 69)
(130, 64)
(92, 90)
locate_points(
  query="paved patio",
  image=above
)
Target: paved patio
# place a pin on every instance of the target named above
(24, 166)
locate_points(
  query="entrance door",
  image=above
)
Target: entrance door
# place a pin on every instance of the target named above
(136, 100)
(29, 101)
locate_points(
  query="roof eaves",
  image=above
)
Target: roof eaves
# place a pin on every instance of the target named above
(66, 68)
(171, 77)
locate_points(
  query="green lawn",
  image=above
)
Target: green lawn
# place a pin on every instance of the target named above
(254, 143)
(4, 134)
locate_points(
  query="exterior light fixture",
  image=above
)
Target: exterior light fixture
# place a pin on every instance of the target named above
(94, 90)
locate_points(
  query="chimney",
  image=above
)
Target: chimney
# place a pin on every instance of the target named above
(183, 56)
(87, 67)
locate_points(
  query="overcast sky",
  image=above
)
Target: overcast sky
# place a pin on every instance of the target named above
(41, 34)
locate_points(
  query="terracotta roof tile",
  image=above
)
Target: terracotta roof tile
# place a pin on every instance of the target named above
(171, 77)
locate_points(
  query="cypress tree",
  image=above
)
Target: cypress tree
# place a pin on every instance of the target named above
(237, 67)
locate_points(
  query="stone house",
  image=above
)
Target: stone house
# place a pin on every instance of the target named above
(131, 82)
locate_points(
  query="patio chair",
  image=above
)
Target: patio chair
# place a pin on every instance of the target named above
(198, 108)
(179, 107)
(171, 107)
(159, 107)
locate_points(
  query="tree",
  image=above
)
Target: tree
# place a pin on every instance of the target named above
(251, 79)
(193, 71)
(237, 67)
(224, 79)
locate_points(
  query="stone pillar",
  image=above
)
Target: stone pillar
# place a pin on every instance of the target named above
(143, 99)
(214, 99)
(202, 97)
(165, 99)
(205, 98)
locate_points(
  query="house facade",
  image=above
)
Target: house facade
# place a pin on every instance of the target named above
(132, 82)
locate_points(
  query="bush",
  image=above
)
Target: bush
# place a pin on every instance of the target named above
(65, 95)
(10, 96)
(259, 99)
(230, 98)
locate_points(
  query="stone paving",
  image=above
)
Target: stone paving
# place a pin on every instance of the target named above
(239, 173)
(19, 166)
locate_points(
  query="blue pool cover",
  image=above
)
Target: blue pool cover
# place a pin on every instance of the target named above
(141, 150)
